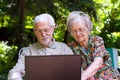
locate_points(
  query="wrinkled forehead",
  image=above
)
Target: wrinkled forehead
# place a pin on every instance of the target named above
(78, 25)
(42, 25)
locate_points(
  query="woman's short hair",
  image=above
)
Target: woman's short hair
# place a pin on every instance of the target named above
(43, 18)
(76, 16)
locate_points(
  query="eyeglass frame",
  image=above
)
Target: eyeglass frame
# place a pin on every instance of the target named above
(44, 30)
(80, 31)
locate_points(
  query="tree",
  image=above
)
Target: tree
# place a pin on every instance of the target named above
(109, 22)
(30, 8)
(16, 20)
(19, 14)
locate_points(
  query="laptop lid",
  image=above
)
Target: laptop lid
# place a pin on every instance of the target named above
(57, 67)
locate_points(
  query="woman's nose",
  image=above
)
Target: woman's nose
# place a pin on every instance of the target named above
(78, 32)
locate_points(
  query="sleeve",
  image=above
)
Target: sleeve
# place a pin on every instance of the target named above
(100, 50)
(99, 53)
(18, 71)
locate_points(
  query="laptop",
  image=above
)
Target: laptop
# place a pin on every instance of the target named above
(53, 67)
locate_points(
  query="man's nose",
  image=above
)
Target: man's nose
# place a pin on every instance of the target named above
(43, 33)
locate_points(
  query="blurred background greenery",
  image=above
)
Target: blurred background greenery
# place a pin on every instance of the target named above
(16, 22)
(7, 58)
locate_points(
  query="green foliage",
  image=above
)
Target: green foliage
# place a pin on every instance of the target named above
(108, 22)
(104, 15)
(7, 56)
(119, 61)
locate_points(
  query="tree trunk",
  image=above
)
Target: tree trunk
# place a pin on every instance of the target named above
(20, 28)
(66, 36)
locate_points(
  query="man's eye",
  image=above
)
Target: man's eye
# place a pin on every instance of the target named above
(47, 30)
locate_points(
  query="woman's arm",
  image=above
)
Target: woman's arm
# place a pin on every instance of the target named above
(92, 69)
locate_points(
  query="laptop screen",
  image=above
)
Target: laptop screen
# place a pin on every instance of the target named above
(57, 67)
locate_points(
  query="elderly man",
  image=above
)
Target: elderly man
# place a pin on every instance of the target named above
(44, 25)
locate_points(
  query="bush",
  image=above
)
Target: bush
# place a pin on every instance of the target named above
(7, 59)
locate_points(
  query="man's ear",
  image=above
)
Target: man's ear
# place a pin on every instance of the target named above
(34, 29)
(53, 30)
(56, 26)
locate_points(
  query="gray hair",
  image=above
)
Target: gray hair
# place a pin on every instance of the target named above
(43, 18)
(76, 16)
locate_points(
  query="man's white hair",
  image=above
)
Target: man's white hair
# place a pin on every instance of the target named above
(45, 18)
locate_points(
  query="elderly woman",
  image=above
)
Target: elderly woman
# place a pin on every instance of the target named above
(96, 61)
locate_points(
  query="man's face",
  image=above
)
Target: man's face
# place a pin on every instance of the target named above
(44, 32)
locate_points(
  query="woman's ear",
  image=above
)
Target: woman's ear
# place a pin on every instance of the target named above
(88, 32)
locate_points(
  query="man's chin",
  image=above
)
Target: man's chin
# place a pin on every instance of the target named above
(45, 43)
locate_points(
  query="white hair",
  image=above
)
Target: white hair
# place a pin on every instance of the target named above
(76, 16)
(43, 18)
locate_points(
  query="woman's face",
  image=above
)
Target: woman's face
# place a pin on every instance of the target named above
(80, 32)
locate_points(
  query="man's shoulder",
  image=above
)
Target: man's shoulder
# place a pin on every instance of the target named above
(30, 46)
(28, 49)
(59, 43)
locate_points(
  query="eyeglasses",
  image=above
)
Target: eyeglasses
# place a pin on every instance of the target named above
(80, 31)
(44, 30)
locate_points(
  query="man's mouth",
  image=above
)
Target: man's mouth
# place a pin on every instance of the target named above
(43, 38)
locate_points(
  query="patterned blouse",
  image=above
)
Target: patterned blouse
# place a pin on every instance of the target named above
(96, 49)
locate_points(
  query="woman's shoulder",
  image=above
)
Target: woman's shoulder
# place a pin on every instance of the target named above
(96, 38)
